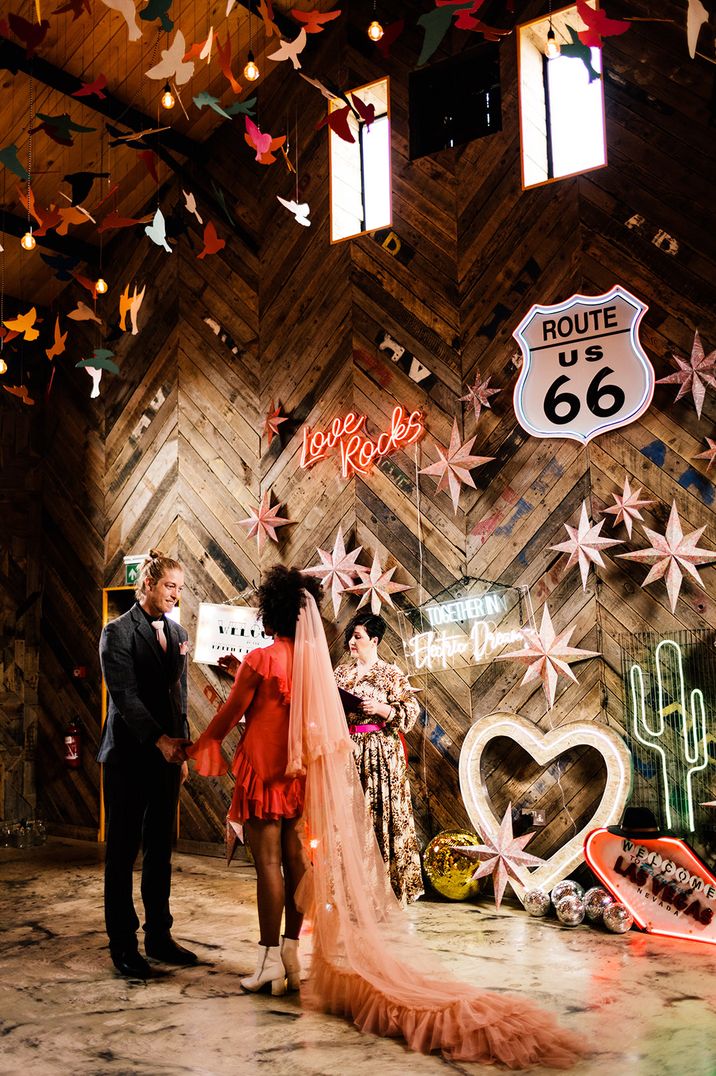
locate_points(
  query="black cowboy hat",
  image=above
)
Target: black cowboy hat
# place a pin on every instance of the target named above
(637, 822)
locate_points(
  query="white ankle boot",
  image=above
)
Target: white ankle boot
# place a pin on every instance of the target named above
(289, 956)
(269, 969)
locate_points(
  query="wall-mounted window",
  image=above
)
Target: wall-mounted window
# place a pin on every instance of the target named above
(562, 125)
(360, 170)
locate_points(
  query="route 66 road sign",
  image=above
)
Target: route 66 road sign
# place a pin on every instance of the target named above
(584, 371)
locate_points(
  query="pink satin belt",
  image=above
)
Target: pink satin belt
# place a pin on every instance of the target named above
(365, 728)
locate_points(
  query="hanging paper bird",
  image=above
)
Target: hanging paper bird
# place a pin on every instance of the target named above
(89, 89)
(577, 51)
(133, 139)
(696, 17)
(266, 13)
(391, 33)
(171, 65)
(61, 264)
(290, 50)
(467, 21)
(190, 205)
(128, 12)
(96, 376)
(366, 112)
(329, 91)
(222, 202)
(76, 7)
(157, 231)
(314, 20)
(24, 323)
(101, 360)
(201, 50)
(212, 243)
(21, 391)
(60, 128)
(246, 107)
(337, 120)
(46, 218)
(300, 211)
(158, 9)
(32, 34)
(436, 24)
(203, 99)
(264, 144)
(130, 304)
(81, 183)
(113, 220)
(149, 157)
(85, 282)
(8, 157)
(598, 25)
(176, 225)
(83, 313)
(72, 215)
(224, 52)
(58, 344)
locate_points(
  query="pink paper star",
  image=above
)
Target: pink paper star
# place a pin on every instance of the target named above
(709, 454)
(694, 374)
(479, 394)
(671, 553)
(626, 507)
(547, 655)
(500, 855)
(273, 420)
(584, 544)
(338, 569)
(377, 586)
(262, 523)
(453, 467)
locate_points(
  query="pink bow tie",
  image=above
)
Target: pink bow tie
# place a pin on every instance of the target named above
(158, 626)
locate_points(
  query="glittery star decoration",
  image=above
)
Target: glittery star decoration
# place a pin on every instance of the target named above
(694, 374)
(338, 569)
(273, 420)
(262, 523)
(453, 468)
(584, 544)
(547, 655)
(672, 553)
(626, 507)
(479, 394)
(376, 586)
(709, 454)
(500, 855)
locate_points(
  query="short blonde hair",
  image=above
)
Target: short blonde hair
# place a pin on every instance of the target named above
(153, 567)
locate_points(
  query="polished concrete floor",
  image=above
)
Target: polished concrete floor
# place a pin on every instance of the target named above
(647, 1005)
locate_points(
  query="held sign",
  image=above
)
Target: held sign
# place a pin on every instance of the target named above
(584, 371)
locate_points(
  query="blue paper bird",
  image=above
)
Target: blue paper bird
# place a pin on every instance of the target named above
(8, 157)
(62, 264)
(158, 9)
(203, 99)
(578, 51)
(101, 360)
(59, 128)
(246, 107)
(436, 24)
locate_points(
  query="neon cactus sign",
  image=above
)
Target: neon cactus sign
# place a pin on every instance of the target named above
(358, 451)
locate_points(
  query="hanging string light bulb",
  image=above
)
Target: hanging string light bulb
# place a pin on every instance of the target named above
(552, 47)
(28, 241)
(3, 367)
(375, 30)
(251, 70)
(167, 99)
(102, 286)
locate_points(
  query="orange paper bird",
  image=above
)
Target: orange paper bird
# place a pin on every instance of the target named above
(83, 313)
(201, 50)
(32, 34)
(88, 89)
(46, 218)
(70, 214)
(130, 304)
(212, 243)
(266, 13)
(314, 20)
(59, 342)
(114, 220)
(338, 122)
(224, 52)
(21, 392)
(89, 285)
(24, 323)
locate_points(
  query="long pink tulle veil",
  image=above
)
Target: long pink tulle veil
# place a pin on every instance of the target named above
(361, 965)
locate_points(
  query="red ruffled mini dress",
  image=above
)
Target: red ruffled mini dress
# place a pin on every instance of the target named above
(261, 691)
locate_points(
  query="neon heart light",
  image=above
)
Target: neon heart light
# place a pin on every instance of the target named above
(544, 747)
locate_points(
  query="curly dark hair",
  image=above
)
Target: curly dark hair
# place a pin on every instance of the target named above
(281, 598)
(374, 626)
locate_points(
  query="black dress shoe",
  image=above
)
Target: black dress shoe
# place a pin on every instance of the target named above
(129, 962)
(166, 950)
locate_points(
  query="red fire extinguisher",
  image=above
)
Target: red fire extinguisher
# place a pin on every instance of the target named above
(72, 745)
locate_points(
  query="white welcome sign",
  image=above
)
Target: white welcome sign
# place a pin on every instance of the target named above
(227, 629)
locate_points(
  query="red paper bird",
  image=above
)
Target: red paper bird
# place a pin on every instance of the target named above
(599, 25)
(466, 21)
(113, 220)
(390, 35)
(32, 34)
(196, 50)
(150, 163)
(89, 285)
(76, 7)
(338, 122)
(266, 13)
(366, 112)
(58, 345)
(224, 52)
(21, 392)
(88, 89)
(212, 243)
(314, 20)
(6, 335)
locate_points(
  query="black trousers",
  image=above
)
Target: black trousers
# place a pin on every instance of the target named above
(140, 802)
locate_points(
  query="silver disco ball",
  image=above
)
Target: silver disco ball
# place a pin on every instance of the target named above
(596, 900)
(617, 918)
(570, 910)
(536, 902)
(567, 888)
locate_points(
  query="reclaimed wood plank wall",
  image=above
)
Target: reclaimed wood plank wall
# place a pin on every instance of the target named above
(285, 317)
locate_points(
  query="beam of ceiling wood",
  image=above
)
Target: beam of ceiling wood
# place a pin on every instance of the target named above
(74, 248)
(13, 58)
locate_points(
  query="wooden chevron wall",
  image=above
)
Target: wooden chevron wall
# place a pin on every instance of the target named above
(174, 455)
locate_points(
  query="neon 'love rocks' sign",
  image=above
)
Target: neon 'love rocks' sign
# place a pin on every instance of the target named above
(358, 451)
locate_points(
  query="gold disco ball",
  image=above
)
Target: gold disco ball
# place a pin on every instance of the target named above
(448, 870)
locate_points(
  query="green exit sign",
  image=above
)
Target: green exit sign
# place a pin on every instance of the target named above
(132, 564)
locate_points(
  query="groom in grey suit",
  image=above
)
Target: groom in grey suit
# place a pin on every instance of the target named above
(143, 656)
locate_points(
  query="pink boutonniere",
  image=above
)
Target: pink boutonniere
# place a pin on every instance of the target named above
(184, 647)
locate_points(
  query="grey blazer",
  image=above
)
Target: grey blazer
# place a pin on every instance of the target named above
(145, 698)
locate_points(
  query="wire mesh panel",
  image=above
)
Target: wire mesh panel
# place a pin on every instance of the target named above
(669, 703)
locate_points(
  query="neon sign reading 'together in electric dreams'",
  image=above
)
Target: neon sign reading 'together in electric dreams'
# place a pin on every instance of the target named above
(476, 634)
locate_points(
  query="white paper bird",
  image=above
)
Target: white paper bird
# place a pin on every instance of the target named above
(128, 12)
(96, 376)
(300, 210)
(172, 65)
(190, 205)
(157, 231)
(697, 16)
(290, 50)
